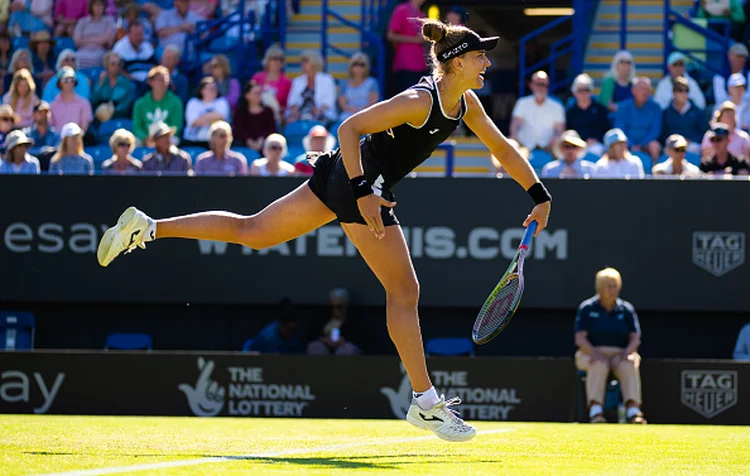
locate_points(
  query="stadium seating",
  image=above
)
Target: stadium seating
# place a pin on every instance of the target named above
(450, 346)
(92, 73)
(17, 331)
(295, 131)
(63, 43)
(645, 160)
(539, 159)
(247, 345)
(612, 396)
(140, 152)
(106, 128)
(249, 153)
(99, 153)
(194, 152)
(128, 341)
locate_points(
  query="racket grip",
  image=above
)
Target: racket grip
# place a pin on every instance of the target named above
(528, 234)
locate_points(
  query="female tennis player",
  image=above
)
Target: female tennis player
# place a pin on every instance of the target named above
(354, 184)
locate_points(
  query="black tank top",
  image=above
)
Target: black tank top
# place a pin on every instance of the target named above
(395, 152)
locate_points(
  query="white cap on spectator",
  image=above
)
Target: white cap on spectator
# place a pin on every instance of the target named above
(70, 129)
(739, 49)
(613, 136)
(674, 57)
(676, 140)
(737, 79)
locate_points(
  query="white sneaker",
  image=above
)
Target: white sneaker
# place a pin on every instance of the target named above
(129, 232)
(444, 421)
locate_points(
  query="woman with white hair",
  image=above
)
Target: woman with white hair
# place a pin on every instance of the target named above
(359, 90)
(313, 94)
(67, 57)
(272, 164)
(220, 159)
(21, 59)
(587, 117)
(272, 78)
(122, 162)
(616, 85)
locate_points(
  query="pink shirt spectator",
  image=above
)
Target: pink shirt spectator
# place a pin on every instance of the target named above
(739, 143)
(233, 163)
(71, 9)
(78, 110)
(407, 56)
(281, 86)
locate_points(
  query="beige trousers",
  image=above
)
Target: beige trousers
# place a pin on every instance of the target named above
(627, 373)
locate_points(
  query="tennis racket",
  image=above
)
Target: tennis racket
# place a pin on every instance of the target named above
(500, 306)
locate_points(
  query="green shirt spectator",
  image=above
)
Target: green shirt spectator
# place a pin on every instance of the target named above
(159, 104)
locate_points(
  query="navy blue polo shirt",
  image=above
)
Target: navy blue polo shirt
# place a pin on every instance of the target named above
(607, 328)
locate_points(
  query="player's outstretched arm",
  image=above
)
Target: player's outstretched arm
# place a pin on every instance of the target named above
(518, 167)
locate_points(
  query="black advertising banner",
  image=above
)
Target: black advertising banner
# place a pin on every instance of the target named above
(678, 244)
(275, 386)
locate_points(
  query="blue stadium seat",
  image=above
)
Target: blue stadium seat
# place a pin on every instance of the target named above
(63, 43)
(92, 73)
(194, 151)
(20, 42)
(693, 158)
(128, 341)
(248, 344)
(450, 346)
(293, 152)
(250, 154)
(107, 128)
(539, 158)
(140, 152)
(612, 396)
(295, 131)
(16, 330)
(99, 153)
(645, 160)
(334, 129)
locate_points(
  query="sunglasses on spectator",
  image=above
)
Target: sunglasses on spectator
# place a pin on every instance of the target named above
(123, 144)
(6, 119)
(274, 147)
(680, 90)
(541, 85)
(717, 138)
(69, 59)
(358, 63)
(583, 90)
(215, 65)
(221, 135)
(565, 145)
(678, 63)
(625, 62)
(68, 80)
(681, 150)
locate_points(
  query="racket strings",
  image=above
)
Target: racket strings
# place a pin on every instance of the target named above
(497, 312)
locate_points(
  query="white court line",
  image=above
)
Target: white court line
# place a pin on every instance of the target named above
(268, 454)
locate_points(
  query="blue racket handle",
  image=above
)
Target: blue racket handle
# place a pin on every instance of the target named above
(528, 235)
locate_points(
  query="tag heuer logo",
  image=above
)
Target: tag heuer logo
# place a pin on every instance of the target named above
(718, 252)
(709, 392)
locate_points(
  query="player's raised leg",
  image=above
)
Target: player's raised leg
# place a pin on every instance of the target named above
(292, 215)
(389, 259)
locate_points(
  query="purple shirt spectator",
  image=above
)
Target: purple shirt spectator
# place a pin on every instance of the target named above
(78, 111)
(233, 163)
(71, 9)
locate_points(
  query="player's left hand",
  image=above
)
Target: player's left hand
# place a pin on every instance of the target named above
(540, 213)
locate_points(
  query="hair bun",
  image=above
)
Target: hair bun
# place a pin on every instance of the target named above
(434, 31)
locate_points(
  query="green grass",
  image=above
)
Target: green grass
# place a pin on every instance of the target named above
(43, 444)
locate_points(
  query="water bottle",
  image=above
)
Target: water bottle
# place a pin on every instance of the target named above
(621, 417)
(335, 334)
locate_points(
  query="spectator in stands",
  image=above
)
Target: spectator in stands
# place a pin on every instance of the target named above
(280, 336)
(404, 33)
(205, 9)
(22, 97)
(617, 85)
(537, 119)
(608, 334)
(17, 159)
(618, 162)
(722, 162)
(220, 160)
(229, 87)
(730, 10)
(70, 159)
(676, 147)
(69, 106)
(676, 66)
(271, 164)
(203, 110)
(640, 119)
(157, 105)
(114, 93)
(313, 93)
(588, 118)
(5, 53)
(137, 53)
(178, 83)
(252, 121)
(94, 35)
(122, 143)
(132, 14)
(737, 65)
(273, 79)
(737, 87)
(42, 56)
(45, 137)
(67, 15)
(682, 117)
(8, 121)
(335, 338)
(173, 25)
(316, 141)
(569, 164)
(43, 10)
(21, 59)
(167, 158)
(359, 90)
(67, 59)
(739, 140)
(455, 15)
(742, 347)
(29, 16)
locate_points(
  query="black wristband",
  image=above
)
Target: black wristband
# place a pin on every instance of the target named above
(360, 187)
(539, 193)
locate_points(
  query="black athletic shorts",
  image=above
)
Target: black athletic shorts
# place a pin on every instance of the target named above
(330, 184)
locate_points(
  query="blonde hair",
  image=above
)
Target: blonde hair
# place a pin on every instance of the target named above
(18, 76)
(726, 106)
(120, 135)
(274, 51)
(314, 58)
(361, 58)
(223, 63)
(158, 70)
(108, 56)
(443, 37)
(219, 126)
(63, 150)
(605, 274)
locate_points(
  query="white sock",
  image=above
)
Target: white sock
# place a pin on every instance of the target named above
(426, 399)
(150, 231)
(632, 411)
(595, 410)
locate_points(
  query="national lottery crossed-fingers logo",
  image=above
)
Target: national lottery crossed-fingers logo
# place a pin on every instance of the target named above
(207, 397)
